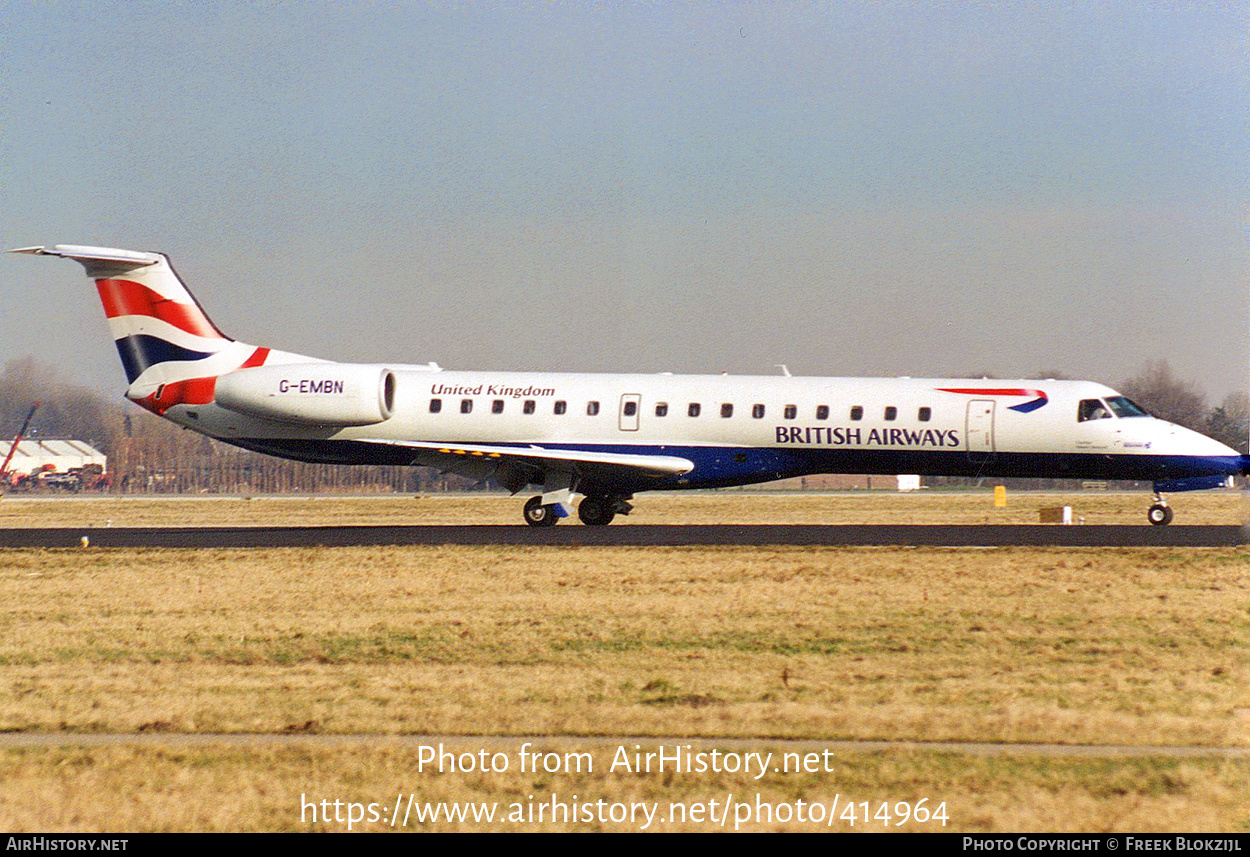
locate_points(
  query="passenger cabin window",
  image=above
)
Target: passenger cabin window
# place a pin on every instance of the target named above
(1092, 409)
(757, 411)
(693, 410)
(792, 411)
(891, 413)
(726, 410)
(857, 413)
(661, 409)
(528, 407)
(560, 407)
(924, 414)
(436, 405)
(630, 408)
(592, 409)
(496, 407)
(466, 406)
(822, 412)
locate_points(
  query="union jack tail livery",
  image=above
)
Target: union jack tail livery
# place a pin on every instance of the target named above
(170, 350)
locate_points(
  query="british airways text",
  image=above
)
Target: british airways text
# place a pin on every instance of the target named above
(846, 436)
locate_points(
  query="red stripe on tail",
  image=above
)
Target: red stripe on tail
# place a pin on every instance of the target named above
(126, 297)
(258, 358)
(193, 391)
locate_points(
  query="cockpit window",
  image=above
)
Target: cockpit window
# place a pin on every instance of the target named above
(1092, 409)
(1122, 406)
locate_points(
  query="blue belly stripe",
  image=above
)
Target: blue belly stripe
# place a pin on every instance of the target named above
(718, 466)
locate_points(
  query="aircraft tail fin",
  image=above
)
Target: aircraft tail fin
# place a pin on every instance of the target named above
(152, 315)
(171, 351)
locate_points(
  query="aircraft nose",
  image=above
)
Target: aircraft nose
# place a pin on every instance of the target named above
(1201, 452)
(1196, 443)
(1225, 450)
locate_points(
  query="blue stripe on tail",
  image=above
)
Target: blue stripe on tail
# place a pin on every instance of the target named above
(139, 351)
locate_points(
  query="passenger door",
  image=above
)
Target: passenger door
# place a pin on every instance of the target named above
(979, 430)
(631, 404)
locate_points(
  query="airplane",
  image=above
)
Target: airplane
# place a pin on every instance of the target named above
(596, 440)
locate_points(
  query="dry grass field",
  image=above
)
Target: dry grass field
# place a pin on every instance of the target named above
(228, 787)
(1142, 647)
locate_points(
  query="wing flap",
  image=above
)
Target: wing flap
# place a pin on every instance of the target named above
(518, 466)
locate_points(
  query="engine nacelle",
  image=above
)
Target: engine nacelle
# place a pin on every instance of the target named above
(324, 394)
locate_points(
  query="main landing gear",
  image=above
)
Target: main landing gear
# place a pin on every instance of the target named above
(595, 510)
(1160, 513)
(538, 515)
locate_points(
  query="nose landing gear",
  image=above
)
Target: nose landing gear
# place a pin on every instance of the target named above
(1160, 513)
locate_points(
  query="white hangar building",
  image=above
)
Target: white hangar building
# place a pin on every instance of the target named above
(63, 455)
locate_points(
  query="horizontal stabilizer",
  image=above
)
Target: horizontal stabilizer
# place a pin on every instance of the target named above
(82, 253)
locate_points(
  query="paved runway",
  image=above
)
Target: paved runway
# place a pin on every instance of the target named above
(574, 535)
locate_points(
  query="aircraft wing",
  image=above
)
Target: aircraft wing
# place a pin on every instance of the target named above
(517, 466)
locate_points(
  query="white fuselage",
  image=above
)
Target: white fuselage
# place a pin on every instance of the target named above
(783, 425)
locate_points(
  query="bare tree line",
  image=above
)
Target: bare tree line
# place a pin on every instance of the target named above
(147, 454)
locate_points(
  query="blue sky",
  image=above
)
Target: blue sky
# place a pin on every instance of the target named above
(851, 189)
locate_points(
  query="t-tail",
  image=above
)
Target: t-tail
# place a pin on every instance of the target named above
(171, 352)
